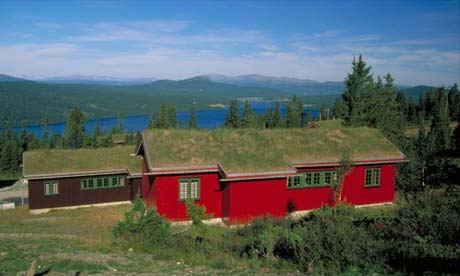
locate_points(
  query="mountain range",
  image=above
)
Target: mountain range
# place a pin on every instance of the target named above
(27, 102)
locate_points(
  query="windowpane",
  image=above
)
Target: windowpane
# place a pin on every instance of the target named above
(99, 182)
(327, 178)
(183, 193)
(51, 188)
(194, 189)
(372, 177)
(308, 179)
(90, 183)
(316, 176)
(106, 182)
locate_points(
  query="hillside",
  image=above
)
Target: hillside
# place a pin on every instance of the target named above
(417, 91)
(298, 86)
(27, 102)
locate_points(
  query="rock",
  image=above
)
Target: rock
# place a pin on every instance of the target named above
(130, 249)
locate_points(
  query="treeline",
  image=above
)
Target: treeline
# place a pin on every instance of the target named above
(271, 118)
(13, 145)
(433, 154)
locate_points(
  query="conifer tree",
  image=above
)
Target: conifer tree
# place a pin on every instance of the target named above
(338, 109)
(231, 119)
(193, 122)
(456, 139)
(454, 103)
(10, 151)
(359, 89)
(75, 134)
(277, 116)
(121, 123)
(248, 119)
(294, 112)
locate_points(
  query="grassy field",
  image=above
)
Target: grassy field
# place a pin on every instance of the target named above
(66, 242)
(253, 150)
(81, 240)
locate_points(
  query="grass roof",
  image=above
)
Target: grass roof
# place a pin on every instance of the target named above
(58, 161)
(253, 150)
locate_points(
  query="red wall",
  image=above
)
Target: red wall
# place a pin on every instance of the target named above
(166, 189)
(355, 193)
(249, 199)
(241, 201)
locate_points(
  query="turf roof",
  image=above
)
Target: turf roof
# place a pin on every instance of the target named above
(253, 150)
(61, 161)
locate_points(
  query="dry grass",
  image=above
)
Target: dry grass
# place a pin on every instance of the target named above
(67, 161)
(253, 150)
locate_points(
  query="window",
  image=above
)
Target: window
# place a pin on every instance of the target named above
(372, 177)
(327, 178)
(51, 188)
(312, 179)
(308, 179)
(102, 182)
(189, 188)
(316, 178)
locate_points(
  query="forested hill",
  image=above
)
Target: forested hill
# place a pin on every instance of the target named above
(28, 102)
(417, 91)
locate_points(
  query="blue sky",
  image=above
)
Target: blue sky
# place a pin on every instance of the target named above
(417, 41)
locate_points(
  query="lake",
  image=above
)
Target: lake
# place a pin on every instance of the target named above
(207, 119)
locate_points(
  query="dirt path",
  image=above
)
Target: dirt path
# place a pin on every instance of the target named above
(15, 193)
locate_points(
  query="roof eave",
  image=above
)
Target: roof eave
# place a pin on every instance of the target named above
(74, 174)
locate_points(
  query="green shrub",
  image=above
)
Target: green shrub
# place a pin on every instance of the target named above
(143, 225)
(196, 213)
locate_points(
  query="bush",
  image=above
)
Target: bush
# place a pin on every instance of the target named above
(196, 213)
(143, 225)
(425, 235)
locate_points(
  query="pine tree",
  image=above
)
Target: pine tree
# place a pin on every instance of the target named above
(440, 129)
(121, 123)
(338, 109)
(94, 138)
(75, 133)
(10, 151)
(454, 103)
(456, 139)
(193, 123)
(248, 119)
(231, 119)
(391, 122)
(165, 118)
(294, 112)
(358, 93)
(277, 116)
(172, 117)
(411, 113)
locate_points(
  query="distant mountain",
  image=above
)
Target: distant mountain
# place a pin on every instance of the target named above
(28, 102)
(416, 91)
(7, 78)
(292, 85)
(95, 80)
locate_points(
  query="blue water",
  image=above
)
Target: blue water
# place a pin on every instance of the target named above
(207, 119)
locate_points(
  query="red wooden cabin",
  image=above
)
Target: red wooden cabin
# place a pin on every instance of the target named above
(239, 175)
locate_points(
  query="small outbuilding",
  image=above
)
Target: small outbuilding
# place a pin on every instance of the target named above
(64, 178)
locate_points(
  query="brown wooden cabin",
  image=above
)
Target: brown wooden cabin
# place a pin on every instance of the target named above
(83, 177)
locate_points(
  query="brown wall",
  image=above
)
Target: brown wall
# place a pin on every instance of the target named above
(71, 194)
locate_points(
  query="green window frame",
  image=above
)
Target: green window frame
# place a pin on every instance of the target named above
(189, 188)
(372, 177)
(105, 182)
(51, 188)
(312, 179)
